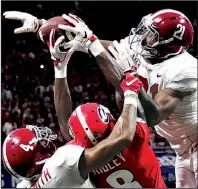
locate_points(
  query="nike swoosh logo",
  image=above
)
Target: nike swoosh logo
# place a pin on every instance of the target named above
(130, 82)
(158, 75)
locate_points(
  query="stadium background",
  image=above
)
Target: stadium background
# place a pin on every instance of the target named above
(27, 90)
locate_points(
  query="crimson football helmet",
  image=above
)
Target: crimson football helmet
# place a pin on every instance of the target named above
(162, 34)
(25, 151)
(90, 123)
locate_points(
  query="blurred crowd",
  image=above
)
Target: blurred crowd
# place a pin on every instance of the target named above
(27, 83)
(27, 93)
(28, 88)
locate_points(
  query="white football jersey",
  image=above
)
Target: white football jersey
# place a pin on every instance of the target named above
(179, 73)
(61, 170)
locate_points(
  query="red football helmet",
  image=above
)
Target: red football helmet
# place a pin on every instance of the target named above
(164, 33)
(26, 150)
(90, 123)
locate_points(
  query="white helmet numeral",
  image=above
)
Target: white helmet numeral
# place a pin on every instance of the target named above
(180, 32)
(26, 147)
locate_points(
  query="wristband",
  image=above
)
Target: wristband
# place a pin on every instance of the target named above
(60, 73)
(95, 46)
(130, 97)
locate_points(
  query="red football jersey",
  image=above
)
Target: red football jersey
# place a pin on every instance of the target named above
(134, 167)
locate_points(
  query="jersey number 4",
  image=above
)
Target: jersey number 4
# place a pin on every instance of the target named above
(28, 147)
(125, 177)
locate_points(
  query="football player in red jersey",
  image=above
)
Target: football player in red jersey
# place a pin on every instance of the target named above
(134, 167)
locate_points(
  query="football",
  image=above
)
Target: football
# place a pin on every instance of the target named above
(44, 31)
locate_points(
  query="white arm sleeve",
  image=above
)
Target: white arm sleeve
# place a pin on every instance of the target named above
(186, 80)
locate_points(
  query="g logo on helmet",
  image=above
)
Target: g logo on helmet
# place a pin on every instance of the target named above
(103, 115)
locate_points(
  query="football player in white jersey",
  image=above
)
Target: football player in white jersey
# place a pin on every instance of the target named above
(162, 38)
(165, 35)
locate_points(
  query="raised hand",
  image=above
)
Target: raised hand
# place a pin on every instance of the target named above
(61, 58)
(79, 27)
(30, 22)
(124, 56)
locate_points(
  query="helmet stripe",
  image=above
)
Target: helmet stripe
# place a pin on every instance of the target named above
(85, 126)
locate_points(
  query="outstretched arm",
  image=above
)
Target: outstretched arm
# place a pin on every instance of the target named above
(109, 67)
(62, 97)
(63, 104)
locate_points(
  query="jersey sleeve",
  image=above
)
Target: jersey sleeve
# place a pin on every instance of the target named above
(184, 81)
(24, 184)
(142, 129)
(71, 155)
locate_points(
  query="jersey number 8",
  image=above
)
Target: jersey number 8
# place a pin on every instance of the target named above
(127, 178)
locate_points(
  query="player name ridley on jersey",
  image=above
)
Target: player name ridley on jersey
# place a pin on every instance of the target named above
(111, 165)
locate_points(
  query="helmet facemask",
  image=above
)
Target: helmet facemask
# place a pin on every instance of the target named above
(43, 134)
(147, 36)
(46, 149)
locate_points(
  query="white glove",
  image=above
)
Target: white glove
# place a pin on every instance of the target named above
(30, 22)
(123, 55)
(84, 36)
(61, 58)
(80, 28)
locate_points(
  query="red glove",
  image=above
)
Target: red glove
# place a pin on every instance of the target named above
(131, 83)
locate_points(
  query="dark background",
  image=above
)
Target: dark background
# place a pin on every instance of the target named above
(108, 19)
(27, 90)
